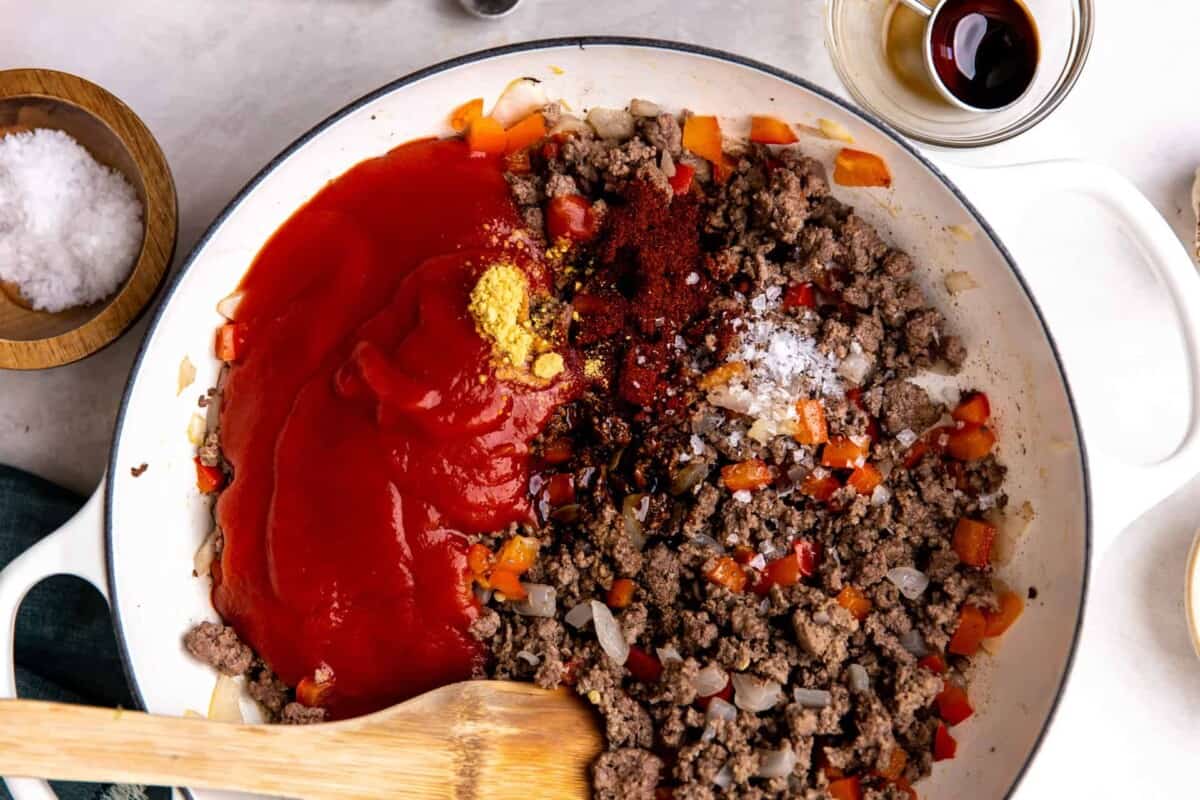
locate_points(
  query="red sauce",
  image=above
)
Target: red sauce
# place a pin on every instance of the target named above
(363, 443)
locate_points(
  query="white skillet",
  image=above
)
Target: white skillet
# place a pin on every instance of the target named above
(135, 538)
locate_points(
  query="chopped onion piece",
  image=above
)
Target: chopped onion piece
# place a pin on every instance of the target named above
(835, 130)
(860, 681)
(519, 99)
(710, 680)
(821, 617)
(720, 709)
(225, 705)
(958, 282)
(608, 633)
(812, 698)
(228, 306)
(633, 512)
(196, 429)
(568, 124)
(709, 542)
(611, 123)
(880, 495)
(914, 643)
(906, 437)
(668, 653)
(724, 778)
(710, 733)
(580, 615)
(643, 108)
(205, 555)
(187, 374)
(776, 763)
(539, 602)
(689, 477)
(912, 583)
(484, 596)
(855, 367)
(751, 693)
(667, 164)
(529, 658)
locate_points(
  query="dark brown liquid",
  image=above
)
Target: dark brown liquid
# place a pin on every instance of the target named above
(985, 51)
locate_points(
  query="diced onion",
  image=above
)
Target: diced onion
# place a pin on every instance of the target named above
(755, 694)
(539, 600)
(519, 99)
(689, 477)
(667, 164)
(608, 633)
(912, 583)
(724, 778)
(859, 680)
(529, 658)
(196, 429)
(484, 596)
(187, 374)
(812, 698)
(720, 709)
(855, 367)
(906, 437)
(835, 130)
(821, 617)
(710, 680)
(611, 123)
(880, 495)
(643, 108)
(568, 124)
(710, 733)
(633, 512)
(668, 653)
(914, 643)
(225, 705)
(958, 282)
(205, 555)
(707, 541)
(228, 306)
(580, 615)
(776, 763)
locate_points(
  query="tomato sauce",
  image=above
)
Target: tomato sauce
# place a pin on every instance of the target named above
(363, 440)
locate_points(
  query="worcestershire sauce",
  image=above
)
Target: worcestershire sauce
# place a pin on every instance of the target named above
(985, 51)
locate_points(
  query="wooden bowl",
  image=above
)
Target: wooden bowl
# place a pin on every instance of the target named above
(113, 134)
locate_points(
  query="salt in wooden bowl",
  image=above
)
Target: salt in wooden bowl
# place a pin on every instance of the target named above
(117, 138)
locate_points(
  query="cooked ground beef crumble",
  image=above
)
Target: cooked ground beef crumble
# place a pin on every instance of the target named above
(694, 312)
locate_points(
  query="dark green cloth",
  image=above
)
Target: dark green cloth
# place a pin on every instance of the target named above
(65, 646)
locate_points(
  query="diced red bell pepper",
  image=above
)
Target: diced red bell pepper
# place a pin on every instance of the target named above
(743, 554)
(934, 663)
(702, 136)
(771, 130)
(811, 427)
(748, 475)
(846, 789)
(1011, 607)
(557, 451)
(808, 555)
(569, 216)
(560, 489)
(643, 666)
(897, 761)
(845, 452)
(480, 559)
(854, 601)
(517, 555)
(620, 594)
(230, 342)
(973, 410)
(953, 704)
(208, 479)
(864, 479)
(800, 295)
(551, 149)
(970, 442)
(820, 488)
(944, 746)
(525, 133)
(728, 573)
(486, 136)
(973, 542)
(725, 694)
(462, 117)
(518, 163)
(664, 793)
(681, 181)
(508, 583)
(934, 441)
(858, 168)
(311, 693)
(971, 630)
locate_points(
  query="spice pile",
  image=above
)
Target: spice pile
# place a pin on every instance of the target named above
(70, 228)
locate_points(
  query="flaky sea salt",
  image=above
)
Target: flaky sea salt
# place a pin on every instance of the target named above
(70, 228)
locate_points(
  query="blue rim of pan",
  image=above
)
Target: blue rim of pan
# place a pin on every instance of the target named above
(584, 42)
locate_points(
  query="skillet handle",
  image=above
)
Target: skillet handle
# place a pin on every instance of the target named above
(1121, 491)
(77, 548)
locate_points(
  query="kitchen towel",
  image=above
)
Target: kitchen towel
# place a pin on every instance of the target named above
(65, 648)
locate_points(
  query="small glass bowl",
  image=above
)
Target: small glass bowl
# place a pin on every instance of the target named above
(896, 87)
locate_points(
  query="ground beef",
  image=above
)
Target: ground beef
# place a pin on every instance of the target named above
(219, 647)
(626, 774)
(297, 714)
(907, 406)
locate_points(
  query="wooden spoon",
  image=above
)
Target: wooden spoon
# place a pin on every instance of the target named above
(478, 739)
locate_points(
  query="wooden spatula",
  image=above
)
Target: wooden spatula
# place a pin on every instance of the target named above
(490, 740)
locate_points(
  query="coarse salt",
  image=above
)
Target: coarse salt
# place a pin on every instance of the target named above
(70, 228)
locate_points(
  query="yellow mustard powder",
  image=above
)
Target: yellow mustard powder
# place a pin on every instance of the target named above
(500, 306)
(547, 365)
(592, 368)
